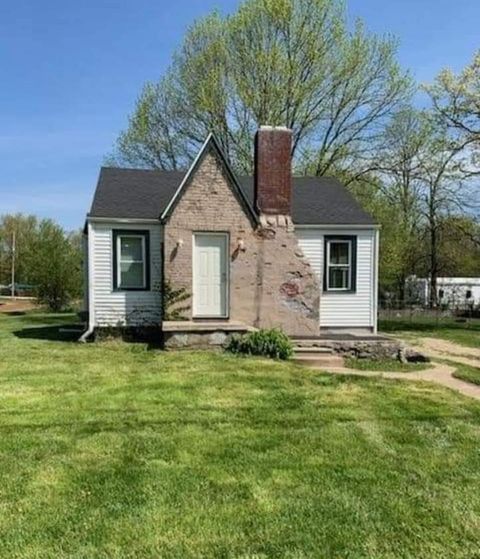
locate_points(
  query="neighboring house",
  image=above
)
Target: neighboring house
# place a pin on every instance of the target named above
(453, 292)
(263, 251)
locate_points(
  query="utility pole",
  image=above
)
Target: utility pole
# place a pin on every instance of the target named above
(13, 265)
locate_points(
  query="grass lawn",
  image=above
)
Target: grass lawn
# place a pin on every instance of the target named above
(392, 365)
(465, 333)
(112, 450)
(465, 372)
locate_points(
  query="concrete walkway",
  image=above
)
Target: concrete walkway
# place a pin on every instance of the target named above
(438, 373)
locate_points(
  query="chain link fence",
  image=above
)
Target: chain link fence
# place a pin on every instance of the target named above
(414, 313)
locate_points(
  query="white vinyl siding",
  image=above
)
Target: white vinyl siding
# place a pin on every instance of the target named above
(345, 310)
(123, 308)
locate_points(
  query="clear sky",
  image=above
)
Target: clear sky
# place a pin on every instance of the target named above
(70, 72)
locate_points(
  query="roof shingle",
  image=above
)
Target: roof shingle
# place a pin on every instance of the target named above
(144, 194)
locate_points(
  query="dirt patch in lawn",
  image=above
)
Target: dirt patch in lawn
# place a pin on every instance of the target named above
(443, 349)
(450, 348)
(17, 305)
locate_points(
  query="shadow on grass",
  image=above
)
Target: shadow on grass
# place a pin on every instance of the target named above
(59, 333)
(14, 313)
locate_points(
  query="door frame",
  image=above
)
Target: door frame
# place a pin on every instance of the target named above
(226, 236)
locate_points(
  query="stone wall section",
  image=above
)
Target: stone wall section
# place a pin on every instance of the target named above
(208, 203)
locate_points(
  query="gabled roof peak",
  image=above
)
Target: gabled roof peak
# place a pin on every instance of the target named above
(210, 142)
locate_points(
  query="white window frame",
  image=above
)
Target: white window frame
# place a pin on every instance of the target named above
(120, 285)
(347, 266)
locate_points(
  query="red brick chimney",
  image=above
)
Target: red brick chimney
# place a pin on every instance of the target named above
(273, 170)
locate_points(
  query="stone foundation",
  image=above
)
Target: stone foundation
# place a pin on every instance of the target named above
(200, 335)
(366, 349)
(195, 340)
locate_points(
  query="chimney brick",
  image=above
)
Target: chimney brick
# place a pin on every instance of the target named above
(273, 170)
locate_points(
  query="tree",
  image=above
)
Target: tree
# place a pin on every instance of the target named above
(456, 101)
(424, 188)
(280, 62)
(459, 253)
(56, 265)
(397, 166)
(25, 229)
(445, 191)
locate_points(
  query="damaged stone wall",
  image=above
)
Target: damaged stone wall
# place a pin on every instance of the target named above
(289, 291)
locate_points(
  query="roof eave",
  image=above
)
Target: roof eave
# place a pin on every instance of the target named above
(337, 225)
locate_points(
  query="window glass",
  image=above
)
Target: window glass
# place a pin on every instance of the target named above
(339, 252)
(338, 278)
(131, 265)
(131, 274)
(339, 265)
(131, 249)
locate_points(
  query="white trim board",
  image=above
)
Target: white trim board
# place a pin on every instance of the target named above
(133, 220)
(337, 226)
(186, 177)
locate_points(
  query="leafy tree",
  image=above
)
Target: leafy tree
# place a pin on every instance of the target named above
(281, 62)
(397, 166)
(423, 190)
(445, 192)
(55, 264)
(25, 229)
(459, 253)
(456, 101)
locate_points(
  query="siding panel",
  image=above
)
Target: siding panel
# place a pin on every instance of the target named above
(340, 310)
(120, 308)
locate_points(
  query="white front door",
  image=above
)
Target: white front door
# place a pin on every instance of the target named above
(210, 270)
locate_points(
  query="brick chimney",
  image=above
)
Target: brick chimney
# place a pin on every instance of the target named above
(273, 170)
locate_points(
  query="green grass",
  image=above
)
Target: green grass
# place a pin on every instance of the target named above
(112, 450)
(392, 365)
(466, 333)
(468, 373)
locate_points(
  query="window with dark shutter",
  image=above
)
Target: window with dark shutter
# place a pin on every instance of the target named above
(131, 260)
(340, 264)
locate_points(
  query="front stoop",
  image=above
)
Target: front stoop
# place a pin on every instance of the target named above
(207, 334)
(319, 360)
(346, 344)
(205, 326)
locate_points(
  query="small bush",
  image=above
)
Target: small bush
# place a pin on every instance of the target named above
(270, 343)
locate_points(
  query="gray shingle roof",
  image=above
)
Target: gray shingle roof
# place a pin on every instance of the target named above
(138, 193)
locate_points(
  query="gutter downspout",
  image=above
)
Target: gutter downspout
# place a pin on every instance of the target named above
(88, 332)
(91, 313)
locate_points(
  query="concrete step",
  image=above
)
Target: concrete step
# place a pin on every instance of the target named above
(322, 361)
(309, 342)
(205, 326)
(318, 350)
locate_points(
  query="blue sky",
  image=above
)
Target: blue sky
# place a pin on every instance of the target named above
(71, 71)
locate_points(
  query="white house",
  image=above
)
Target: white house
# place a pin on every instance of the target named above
(299, 253)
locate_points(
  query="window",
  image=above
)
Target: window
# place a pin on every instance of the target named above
(340, 264)
(131, 260)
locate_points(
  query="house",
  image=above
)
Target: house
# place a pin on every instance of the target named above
(452, 292)
(271, 250)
